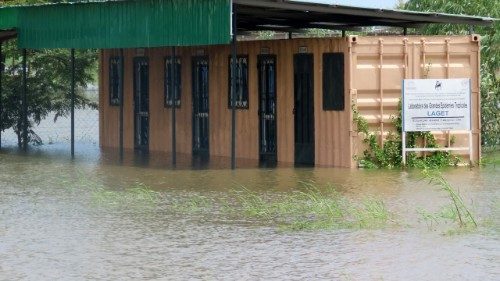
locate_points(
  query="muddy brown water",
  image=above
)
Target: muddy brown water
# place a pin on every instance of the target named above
(52, 229)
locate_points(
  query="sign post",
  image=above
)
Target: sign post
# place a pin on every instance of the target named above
(436, 105)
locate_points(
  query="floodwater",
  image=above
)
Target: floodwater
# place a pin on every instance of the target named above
(52, 228)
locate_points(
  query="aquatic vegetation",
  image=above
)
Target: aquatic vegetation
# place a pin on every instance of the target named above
(314, 208)
(137, 194)
(192, 204)
(310, 207)
(456, 211)
(491, 157)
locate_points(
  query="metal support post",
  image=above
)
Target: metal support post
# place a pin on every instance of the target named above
(72, 103)
(122, 66)
(24, 99)
(2, 65)
(403, 148)
(233, 91)
(173, 88)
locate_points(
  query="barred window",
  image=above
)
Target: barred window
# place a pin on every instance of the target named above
(115, 80)
(175, 95)
(241, 76)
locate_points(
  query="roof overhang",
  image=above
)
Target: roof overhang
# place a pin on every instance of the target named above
(263, 14)
(7, 35)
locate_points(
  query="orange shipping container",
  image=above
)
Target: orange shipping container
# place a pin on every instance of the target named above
(373, 68)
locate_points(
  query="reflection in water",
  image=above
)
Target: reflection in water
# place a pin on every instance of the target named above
(51, 228)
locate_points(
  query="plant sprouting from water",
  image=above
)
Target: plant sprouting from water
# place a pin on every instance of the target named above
(457, 211)
(314, 208)
(135, 195)
(193, 204)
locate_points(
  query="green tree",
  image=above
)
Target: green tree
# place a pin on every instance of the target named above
(48, 83)
(490, 53)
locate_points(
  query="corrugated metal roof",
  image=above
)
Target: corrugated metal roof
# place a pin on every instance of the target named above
(8, 18)
(154, 23)
(264, 14)
(120, 24)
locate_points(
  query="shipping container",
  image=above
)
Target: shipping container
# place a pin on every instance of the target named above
(297, 95)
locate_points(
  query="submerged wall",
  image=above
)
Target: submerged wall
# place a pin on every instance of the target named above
(374, 69)
(332, 127)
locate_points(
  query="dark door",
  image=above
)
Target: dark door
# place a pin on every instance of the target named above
(267, 108)
(141, 103)
(304, 109)
(200, 106)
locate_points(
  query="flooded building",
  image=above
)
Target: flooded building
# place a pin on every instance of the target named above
(174, 78)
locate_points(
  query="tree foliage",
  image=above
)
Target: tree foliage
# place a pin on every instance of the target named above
(48, 86)
(490, 53)
(48, 83)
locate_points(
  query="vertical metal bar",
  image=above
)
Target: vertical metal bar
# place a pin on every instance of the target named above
(72, 103)
(1, 108)
(120, 87)
(405, 31)
(343, 34)
(403, 148)
(403, 132)
(24, 100)
(447, 40)
(425, 75)
(173, 88)
(381, 91)
(471, 156)
(233, 91)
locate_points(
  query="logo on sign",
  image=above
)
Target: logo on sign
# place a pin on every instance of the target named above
(438, 86)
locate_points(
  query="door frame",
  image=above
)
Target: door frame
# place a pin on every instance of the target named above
(268, 156)
(312, 98)
(144, 148)
(195, 59)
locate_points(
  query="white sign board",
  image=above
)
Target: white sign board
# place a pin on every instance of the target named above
(436, 105)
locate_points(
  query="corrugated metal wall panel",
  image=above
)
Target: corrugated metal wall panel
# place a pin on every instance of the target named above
(125, 24)
(379, 64)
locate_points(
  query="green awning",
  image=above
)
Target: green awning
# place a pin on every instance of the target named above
(120, 24)
(8, 18)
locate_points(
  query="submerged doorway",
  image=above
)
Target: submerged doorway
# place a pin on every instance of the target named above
(141, 104)
(304, 109)
(200, 106)
(267, 108)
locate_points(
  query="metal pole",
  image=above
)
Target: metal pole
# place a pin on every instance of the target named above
(405, 31)
(233, 92)
(471, 156)
(1, 109)
(24, 104)
(173, 88)
(72, 103)
(122, 66)
(403, 148)
(343, 33)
